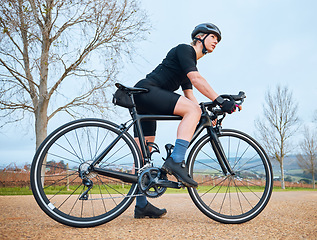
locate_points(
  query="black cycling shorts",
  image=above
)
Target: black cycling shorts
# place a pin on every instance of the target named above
(156, 101)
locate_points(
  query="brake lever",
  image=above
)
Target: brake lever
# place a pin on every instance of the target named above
(239, 105)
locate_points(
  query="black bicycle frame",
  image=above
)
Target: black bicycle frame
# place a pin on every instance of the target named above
(204, 122)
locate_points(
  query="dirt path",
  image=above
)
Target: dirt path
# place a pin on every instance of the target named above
(289, 215)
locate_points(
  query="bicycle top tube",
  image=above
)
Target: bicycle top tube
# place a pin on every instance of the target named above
(158, 117)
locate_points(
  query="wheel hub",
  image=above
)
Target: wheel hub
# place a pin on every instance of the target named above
(84, 168)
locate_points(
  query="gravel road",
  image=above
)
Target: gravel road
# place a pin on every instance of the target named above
(289, 215)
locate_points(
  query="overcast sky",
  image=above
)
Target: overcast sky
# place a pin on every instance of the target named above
(264, 43)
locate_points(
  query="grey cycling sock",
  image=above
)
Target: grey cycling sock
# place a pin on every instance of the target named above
(141, 201)
(179, 151)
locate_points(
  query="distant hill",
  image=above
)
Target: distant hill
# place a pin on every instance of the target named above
(291, 169)
(290, 163)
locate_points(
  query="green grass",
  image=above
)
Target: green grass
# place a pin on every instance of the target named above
(7, 191)
(292, 189)
(15, 191)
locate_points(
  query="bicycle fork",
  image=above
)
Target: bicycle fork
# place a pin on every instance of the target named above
(219, 152)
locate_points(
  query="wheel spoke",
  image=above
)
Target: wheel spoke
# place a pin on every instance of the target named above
(104, 138)
(249, 189)
(68, 197)
(63, 158)
(241, 156)
(54, 183)
(250, 159)
(250, 167)
(80, 159)
(79, 145)
(103, 184)
(68, 151)
(209, 166)
(209, 180)
(216, 161)
(103, 162)
(235, 159)
(103, 201)
(236, 187)
(216, 193)
(76, 199)
(224, 197)
(89, 145)
(213, 188)
(62, 188)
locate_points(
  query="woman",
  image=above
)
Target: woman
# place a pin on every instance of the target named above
(178, 69)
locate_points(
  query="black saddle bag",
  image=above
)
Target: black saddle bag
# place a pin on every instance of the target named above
(122, 98)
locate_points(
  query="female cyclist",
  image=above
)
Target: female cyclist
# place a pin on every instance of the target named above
(178, 69)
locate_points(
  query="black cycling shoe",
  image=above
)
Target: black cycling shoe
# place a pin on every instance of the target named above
(149, 211)
(180, 171)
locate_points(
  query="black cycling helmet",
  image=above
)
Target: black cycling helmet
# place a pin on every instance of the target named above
(207, 28)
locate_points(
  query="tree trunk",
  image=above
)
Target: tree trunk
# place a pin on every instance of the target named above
(282, 174)
(41, 123)
(41, 129)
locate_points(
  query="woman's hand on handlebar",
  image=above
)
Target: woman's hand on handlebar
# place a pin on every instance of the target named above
(227, 105)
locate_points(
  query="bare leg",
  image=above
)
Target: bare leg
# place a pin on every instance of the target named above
(191, 113)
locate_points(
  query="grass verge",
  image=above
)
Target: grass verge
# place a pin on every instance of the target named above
(8, 191)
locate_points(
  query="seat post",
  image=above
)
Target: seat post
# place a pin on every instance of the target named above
(136, 117)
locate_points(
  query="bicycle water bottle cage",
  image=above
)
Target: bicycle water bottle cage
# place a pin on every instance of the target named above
(168, 147)
(154, 146)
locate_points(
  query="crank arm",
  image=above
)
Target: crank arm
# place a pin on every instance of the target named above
(169, 184)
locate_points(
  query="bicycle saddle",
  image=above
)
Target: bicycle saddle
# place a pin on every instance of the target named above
(131, 89)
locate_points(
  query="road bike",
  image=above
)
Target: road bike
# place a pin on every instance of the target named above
(88, 172)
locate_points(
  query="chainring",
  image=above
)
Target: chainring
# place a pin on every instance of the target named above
(147, 182)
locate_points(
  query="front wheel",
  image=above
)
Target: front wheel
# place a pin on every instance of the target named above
(231, 198)
(57, 182)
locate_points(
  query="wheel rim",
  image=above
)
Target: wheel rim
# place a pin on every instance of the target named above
(231, 198)
(72, 149)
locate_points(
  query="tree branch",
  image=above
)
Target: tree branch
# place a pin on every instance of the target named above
(15, 75)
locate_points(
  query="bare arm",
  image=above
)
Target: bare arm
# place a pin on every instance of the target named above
(202, 85)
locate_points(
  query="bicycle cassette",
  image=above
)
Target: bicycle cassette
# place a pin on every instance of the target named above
(148, 182)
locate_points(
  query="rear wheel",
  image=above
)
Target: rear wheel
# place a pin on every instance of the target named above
(58, 187)
(231, 199)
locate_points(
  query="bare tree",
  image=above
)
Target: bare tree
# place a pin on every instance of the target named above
(307, 160)
(61, 55)
(277, 124)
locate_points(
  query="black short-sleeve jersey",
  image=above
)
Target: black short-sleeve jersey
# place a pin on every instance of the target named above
(172, 72)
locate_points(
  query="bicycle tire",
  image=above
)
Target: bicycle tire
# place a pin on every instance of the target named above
(74, 146)
(246, 193)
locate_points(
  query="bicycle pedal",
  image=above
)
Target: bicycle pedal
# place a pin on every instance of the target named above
(181, 185)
